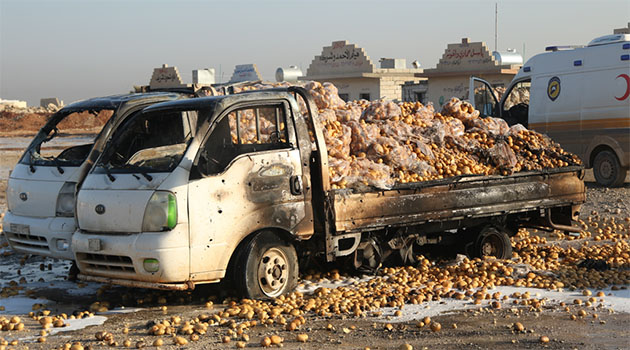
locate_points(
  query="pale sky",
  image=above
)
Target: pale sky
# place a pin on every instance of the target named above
(79, 49)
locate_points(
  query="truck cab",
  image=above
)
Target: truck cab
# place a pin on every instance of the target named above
(578, 96)
(41, 188)
(183, 185)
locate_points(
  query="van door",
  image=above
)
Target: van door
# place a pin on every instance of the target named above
(247, 176)
(481, 95)
(555, 108)
(515, 103)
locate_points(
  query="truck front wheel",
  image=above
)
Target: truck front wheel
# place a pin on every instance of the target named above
(607, 169)
(493, 242)
(267, 267)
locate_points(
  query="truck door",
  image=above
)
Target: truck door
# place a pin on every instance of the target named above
(481, 95)
(247, 176)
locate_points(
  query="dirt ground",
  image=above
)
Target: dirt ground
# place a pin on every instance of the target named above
(465, 327)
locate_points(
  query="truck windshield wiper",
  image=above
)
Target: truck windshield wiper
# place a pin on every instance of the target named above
(146, 176)
(30, 161)
(109, 174)
(56, 163)
(139, 170)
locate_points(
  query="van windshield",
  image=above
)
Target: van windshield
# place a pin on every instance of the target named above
(67, 138)
(149, 142)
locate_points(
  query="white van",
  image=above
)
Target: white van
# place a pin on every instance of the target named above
(41, 188)
(578, 96)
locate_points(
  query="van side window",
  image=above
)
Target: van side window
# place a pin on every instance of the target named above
(245, 130)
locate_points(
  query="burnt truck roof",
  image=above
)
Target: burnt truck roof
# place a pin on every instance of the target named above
(224, 100)
(115, 101)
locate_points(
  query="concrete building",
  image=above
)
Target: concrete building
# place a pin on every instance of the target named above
(167, 77)
(12, 104)
(450, 78)
(622, 30)
(415, 91)
(245, 72)
(44, 102)
(356, 76)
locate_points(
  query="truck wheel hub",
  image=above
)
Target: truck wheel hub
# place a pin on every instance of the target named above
(487, 249)
(605, 169)
(491, 246)
(272, 272)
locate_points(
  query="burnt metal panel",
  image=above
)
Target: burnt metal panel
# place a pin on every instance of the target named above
(469, 199)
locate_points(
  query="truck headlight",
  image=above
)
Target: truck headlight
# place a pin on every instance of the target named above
(151, 265)
(161, 212)
(66, 199)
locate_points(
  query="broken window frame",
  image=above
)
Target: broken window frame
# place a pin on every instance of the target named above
(49, 131)
(242, 150)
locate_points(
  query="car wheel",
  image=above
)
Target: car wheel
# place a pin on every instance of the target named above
(607, 169)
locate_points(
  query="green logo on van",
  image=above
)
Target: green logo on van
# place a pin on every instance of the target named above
(553, 88)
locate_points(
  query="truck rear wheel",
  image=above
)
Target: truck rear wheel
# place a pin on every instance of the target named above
(267, 267)
(607, 169)
(493, 242)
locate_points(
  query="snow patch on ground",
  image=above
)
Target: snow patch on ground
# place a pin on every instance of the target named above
(618, 300)
(73, 325)
(19, 305)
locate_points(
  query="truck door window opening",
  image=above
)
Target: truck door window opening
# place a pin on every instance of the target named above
(483, 100)
(154, 141)
(245, 130)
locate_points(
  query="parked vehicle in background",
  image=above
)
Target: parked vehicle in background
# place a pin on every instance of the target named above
(578, 96)
(41, 188)
(195, 191)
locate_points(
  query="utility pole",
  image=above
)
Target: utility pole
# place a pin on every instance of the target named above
(496, 26)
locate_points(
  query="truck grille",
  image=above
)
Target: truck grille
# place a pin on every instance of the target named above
(27, 241)
(106, 263)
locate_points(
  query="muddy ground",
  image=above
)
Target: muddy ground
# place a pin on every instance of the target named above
(478, 327)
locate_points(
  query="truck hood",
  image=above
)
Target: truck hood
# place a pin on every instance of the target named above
(121, 203)
(112, 210)
(34, 194)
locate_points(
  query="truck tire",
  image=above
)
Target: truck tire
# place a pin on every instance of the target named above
(266, 267)
(493, 242)
(607, 169)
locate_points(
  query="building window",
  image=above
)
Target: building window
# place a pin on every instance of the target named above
(419, 96)
(344, 97)
(364, 97)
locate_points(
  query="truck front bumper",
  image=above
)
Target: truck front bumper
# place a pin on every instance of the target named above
(50, 236)
(121, 258)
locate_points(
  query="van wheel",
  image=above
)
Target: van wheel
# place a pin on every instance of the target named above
(268, 267)
(493, 242)
(607, 169)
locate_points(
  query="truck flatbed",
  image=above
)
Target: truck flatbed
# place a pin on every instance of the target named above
(458, 198)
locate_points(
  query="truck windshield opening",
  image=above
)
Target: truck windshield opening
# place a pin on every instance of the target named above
(67, 137)
(151, 142)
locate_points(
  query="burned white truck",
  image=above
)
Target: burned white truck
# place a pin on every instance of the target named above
(41, 188)
(196, 191)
